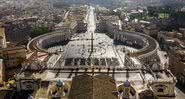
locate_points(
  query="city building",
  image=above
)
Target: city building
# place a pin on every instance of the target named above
(13, 57)
(2, 71)
(2, 38)
(173, 43)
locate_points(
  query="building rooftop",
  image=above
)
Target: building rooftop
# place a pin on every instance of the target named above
(97, 87)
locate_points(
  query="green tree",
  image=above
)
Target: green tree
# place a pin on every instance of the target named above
(39, 30)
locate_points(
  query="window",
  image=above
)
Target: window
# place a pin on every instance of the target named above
(160, 90)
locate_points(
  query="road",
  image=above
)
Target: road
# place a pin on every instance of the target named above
(91, 27)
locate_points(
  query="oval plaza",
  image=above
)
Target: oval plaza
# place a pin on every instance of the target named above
(122, 55)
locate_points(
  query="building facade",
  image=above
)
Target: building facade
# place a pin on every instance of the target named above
(13, 57)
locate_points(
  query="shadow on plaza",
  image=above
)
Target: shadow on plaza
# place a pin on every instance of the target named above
(75, 72)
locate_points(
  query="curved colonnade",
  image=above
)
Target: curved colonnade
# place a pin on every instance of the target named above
(146, 46)
(43, 42)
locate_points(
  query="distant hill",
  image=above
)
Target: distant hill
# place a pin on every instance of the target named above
(106, 3)
(130, 3)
